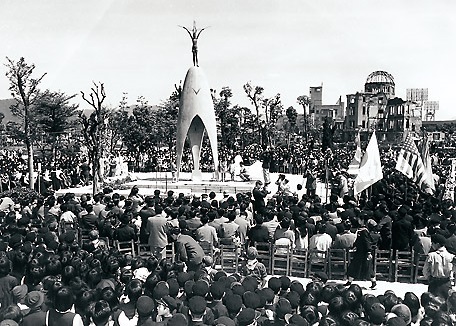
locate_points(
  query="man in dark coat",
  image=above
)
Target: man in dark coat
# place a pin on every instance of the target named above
(402, 231)
(146, 212)
(89, 221)
(258, 197)
(266, 158)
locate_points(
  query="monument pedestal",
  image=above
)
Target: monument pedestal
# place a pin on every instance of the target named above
(197, 176)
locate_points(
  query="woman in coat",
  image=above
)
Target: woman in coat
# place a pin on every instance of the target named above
(362, 267)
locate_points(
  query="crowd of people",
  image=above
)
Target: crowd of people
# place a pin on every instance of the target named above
(59, 264)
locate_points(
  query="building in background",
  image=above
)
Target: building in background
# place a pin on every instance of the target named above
(319, 111)
(377, 108)
(420, 97)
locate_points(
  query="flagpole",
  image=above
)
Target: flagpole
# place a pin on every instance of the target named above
(326, 179)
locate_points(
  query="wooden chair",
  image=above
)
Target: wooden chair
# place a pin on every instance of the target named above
(383, 264)
(207, 247)
(84, 236)
(317, 261)
(229, 258)
(281, 260)
(264, 250)
(170, 253)
(403, 266)
(337, 264)
(418, 277)
(298, 265)
(144, 249)
(126, 247)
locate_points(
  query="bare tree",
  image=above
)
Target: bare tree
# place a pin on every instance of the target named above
(305, 101)
(255, 95)
(93, 128)
(25, 91)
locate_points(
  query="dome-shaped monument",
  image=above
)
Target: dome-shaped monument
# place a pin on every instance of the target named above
(380, 82)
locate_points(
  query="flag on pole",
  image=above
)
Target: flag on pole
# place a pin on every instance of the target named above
(370, 169)
(353, 168)
(427, 162)
(409, 163)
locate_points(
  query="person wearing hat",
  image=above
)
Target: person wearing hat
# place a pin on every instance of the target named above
(282, 308)
(217, 290)
(166, 308)
(247, 317)
(19, 293)
(36, 316)
(438, 267)
(197, 309)
(178, 320)
(255, 268)
(402, 311)
(145, 308)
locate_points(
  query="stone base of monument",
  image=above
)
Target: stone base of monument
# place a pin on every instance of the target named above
(197, 176)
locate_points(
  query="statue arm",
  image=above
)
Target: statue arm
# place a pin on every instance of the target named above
(189, 33)
(202, 29)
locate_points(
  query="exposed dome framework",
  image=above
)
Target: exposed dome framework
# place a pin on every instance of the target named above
(380, 77)
(380, 82)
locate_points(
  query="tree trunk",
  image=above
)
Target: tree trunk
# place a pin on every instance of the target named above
(95, 187)
(30, 165)
(305, 123)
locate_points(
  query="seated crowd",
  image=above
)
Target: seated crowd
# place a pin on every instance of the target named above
(58, 265)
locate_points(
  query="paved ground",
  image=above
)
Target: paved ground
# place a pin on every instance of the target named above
(399, 288)
(148, 182)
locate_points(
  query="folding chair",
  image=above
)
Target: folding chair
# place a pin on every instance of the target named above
(229, 258)
(337, 264)
(264, 250)
(126, 247)
(281, 260)
(298, 265)
(317, 261)
(383, 264)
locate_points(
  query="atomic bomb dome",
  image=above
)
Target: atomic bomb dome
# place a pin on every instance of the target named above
(380, 82)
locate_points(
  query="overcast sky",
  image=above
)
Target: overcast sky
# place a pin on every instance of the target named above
(284, 46)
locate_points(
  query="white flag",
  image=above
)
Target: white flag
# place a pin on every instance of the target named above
(353, 168)
(370, 169)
